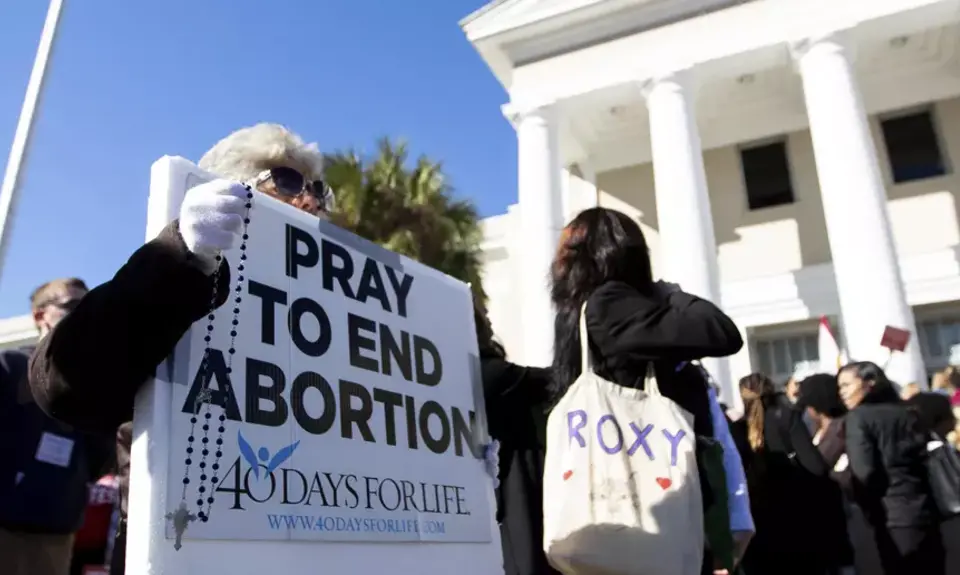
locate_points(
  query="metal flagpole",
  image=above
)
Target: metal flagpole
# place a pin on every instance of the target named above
(21, 138)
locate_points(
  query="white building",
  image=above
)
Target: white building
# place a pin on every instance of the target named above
(786, 158)
(17, 332)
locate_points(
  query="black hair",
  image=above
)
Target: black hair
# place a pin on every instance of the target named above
(599, 246)
(933, 410)
(486, 344)
(881, 388)
(821, 392)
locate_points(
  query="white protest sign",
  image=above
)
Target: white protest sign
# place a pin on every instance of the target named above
(347, 442)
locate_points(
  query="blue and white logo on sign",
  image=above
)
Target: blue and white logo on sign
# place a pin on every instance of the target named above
(262, 456)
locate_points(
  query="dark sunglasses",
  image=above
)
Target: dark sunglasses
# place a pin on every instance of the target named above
(290, 183)
(68, 305)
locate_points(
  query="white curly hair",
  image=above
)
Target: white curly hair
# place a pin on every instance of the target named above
(244, 154)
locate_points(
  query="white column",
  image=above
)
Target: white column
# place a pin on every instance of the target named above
(579, 190)
(855, 209)
(540, 205)
(687, 244)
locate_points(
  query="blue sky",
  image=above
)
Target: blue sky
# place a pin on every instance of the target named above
(132, 81)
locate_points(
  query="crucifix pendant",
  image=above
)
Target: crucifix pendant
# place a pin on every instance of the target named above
(181, 519)
(204, 395)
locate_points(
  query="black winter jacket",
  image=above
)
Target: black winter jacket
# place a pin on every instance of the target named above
(628, 329)
(887, 451)
(40, 494)
(784, 479)
(516, 399)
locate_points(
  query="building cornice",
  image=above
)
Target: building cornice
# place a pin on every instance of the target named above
(511, 33)
(17, 331)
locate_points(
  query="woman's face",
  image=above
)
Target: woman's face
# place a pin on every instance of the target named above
(308, 202)
(792, 389)
(852, 388)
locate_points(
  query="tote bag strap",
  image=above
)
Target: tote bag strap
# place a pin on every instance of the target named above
(585, 363)
(586, 366)
(650, 384)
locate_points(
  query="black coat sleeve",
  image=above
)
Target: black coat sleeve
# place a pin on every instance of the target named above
(507, 383)
(807, 454)
(679, 327)
(87, 371)
(860, 450)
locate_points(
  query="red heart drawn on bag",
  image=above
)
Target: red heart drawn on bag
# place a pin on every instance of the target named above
(567, 474)
(664, 483)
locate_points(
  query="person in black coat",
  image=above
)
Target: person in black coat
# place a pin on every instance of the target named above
(45, 465)
(935, 415)
(515, 398)
(886, 448)
(784, 470)
(90, 368)
(840, 527)
(631, 320)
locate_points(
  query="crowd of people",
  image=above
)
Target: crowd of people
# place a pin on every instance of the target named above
(830, 478)
(839, 473)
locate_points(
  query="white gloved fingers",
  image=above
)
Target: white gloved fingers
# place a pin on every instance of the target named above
(218, 187)
(232, 223)
(213, 231)
(224, 205)
(491, 460)
(226, 196)
(218, 240)
(211, 217)
(238, 191)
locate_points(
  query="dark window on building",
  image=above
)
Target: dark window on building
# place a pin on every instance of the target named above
(779, 357)
(766, 174)
(913, 147)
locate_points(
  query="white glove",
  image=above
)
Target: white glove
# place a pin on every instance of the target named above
(491, 461)
(211, 219)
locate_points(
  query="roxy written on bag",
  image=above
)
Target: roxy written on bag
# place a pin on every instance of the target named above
(621, 491)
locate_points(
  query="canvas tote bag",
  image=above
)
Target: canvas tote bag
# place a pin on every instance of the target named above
(621, 493)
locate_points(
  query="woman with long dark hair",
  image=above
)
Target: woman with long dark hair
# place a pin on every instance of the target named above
(886, 447)
(603, 261)
(783, 468)
(516, 404)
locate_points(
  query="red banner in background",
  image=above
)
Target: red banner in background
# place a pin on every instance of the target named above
(895, 339)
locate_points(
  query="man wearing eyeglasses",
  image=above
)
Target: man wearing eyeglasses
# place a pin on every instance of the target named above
(137, 318)
(45, 465)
